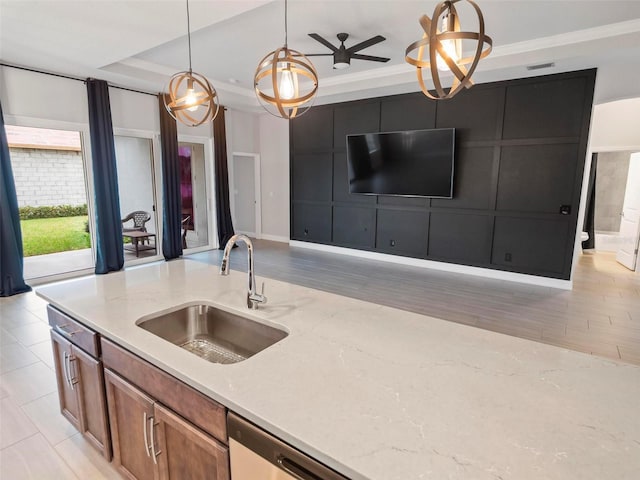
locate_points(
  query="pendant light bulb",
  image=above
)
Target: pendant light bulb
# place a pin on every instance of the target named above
(286, 87)
(190, 97)
(450, 47)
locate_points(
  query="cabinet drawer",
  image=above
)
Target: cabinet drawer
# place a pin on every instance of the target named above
(200, 410)
(73, 331)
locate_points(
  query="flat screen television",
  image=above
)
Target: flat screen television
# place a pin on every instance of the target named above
(416, 163)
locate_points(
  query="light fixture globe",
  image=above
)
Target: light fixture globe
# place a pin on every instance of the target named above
(192, 100)
(286, 83)
(444, 47)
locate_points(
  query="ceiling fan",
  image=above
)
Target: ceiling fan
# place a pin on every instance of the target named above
(342, 56)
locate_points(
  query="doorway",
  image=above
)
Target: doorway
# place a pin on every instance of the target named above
(617, 205)
(245, 200)
(193, 190)
(50, 174)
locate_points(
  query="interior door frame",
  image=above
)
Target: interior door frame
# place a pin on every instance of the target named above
(212, 228)
(257, 189)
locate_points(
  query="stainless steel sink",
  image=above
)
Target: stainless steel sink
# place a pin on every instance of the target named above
(213, 334)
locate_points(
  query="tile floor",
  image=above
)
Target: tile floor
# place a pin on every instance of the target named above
(36, 441)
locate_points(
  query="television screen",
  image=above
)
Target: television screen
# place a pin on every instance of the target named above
(416, 163)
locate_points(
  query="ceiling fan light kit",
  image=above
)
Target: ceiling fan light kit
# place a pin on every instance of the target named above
(192, 100)
(444, 50)
(286, 82)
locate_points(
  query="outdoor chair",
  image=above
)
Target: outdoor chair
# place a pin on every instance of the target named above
(140, 218)
(185, 227)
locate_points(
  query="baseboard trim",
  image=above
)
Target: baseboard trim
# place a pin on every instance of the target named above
(274, 238)
(441, 266)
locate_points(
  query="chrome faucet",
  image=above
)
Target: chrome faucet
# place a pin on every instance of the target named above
(253, 298)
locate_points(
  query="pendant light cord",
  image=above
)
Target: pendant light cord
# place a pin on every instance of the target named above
(189, 36)
(286, 33)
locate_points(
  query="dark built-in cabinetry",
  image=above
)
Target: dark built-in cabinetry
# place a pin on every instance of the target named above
(520, 153)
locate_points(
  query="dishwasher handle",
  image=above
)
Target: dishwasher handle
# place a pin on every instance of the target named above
(295, 470)
(278, 453)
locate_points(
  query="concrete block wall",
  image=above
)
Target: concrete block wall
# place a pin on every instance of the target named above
(48, 177)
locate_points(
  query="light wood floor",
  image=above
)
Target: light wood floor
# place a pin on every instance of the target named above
(601, 315)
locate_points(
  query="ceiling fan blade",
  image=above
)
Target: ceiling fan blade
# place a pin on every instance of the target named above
(371, 58)
(326, 43)
(366, 43)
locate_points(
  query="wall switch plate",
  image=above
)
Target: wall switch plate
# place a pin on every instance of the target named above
(392, 243)
(507, 257)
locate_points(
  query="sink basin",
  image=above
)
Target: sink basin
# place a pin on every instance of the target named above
(213, 334)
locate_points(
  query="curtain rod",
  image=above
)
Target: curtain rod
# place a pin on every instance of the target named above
(78, 79)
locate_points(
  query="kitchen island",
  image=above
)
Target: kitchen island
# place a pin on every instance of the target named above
(379, 393)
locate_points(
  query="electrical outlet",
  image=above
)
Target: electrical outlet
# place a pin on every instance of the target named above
(507, 257)
(392, 243)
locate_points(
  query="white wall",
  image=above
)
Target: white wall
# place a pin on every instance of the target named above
(242, 132)
(274, 152)
(616, 126)
(34, 95)
(134, 111)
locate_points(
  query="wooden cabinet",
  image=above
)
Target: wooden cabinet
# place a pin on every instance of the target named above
(80, 385)
(161, 428)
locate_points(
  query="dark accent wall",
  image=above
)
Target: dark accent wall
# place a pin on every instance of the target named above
(520, 154)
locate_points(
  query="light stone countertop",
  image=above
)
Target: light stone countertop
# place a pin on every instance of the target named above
(383, 394)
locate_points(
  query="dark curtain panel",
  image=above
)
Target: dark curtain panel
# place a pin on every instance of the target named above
(11, 261)
(109, 252)
(223, 213)
(590, 207)
(172, 214)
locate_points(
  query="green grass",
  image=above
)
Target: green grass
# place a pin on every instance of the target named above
(51, 235)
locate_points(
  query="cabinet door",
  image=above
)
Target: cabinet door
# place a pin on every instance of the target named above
(131, 419)
(66, 388)
(185, 452)
(92, 400)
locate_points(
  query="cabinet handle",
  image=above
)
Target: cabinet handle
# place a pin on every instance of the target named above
(154, 454)
(296, 471)
(72, 382)
(61, 329)
(144, 432)
(64, 368)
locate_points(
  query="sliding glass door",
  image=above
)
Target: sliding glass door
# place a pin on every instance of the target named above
(137, 190)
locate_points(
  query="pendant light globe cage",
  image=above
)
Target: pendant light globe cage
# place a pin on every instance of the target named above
(443, 48)
(286, 83)
(191, 100)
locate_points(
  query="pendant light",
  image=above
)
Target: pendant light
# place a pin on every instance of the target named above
(192, 100)
(286, 81)
(444, 47)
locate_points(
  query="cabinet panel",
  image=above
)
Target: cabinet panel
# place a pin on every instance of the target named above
(402, 232)
(186, 451)
(69, 406)
(354, 226)
(407, 112)
(355, 117)
(552, 108)
(311, 222)
(473, 113)
(537, 178)
(341, 183)
(181, 398)
(130, 416)
(532, 244)
(313, 130)
(464, 238)
(472, 180)
(312, 177)
(93, 402)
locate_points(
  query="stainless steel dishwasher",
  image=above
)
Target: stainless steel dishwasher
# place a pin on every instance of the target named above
(256, 455)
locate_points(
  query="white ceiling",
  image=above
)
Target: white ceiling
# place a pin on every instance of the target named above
(139, 44)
